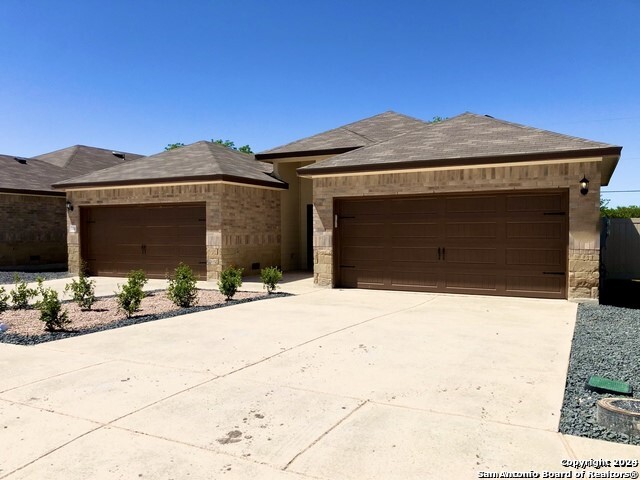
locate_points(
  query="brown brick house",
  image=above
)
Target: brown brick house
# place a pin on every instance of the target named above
(202, 204)
(471, 204)
(32, 213)
(468, 205)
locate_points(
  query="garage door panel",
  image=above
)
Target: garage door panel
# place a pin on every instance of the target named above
(414, 230)
(541, 257)
(404, 279)
(535, 203)
(419, 255)
(471, 281)
(351, 254)
(364, 242)
(472, 229)
(471, 256)
(116, 240)
(366, 207)
(423, 205)
(546, 285)
(360, 230)
(535, 230)
(362, 278)
(498, 244)
(471, 204)
(414, 218)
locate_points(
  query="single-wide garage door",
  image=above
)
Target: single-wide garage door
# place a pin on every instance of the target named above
(491, 244)
(116, 240)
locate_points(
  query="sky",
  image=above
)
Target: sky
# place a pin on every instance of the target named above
(137, 75)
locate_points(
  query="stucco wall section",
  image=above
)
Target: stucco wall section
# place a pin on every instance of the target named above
(584, 225)
(293, 215)
(242, 209)
(32, 230)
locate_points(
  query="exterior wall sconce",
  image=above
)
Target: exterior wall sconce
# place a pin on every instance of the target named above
(69, 206)
(584, 186)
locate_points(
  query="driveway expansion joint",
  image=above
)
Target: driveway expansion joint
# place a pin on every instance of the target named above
(333, 427)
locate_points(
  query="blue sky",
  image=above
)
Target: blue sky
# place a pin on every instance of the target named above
(137, 75)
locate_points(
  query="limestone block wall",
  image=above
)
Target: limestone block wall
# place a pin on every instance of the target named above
(239, 229)
(584, 210)
(32, 231)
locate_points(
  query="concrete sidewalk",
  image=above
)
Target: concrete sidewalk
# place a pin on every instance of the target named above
(329, 384)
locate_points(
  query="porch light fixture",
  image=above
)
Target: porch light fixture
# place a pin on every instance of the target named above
(584, 186)
(69, 206)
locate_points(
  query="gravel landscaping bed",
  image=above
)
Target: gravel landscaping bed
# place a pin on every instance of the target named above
(24, 327)
(7, 277)
(606, 342)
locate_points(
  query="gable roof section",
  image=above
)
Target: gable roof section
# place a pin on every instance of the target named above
(348, 137)
(467, 139)
(81, 159)
(200, 161)
(28, 176)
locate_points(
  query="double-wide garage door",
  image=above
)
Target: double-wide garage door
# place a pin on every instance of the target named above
(116, 240)
(490, 244)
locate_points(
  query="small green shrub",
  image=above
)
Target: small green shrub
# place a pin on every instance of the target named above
(83, 291)
(230, 281)
(137, 277)
(270, 277)
(130, 294)
(182, 287)
(50, 307)
(21, 294)
(4, 300)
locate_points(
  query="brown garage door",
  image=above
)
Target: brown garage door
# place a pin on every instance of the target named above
(490, 244)
(116, 240)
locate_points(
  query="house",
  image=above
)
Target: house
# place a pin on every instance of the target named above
(32, 213)
(203, 204)
(471, 204)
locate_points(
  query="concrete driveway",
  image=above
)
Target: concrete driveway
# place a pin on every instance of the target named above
(328, 384)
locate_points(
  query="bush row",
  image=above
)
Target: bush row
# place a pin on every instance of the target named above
(182, 291)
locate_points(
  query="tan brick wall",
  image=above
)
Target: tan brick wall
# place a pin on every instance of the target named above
(584, 210)
(251, 227)
(254, 241)
(32, 230)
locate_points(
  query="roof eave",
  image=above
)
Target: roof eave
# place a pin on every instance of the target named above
(319, 169)
(195, 178)
(24, 191)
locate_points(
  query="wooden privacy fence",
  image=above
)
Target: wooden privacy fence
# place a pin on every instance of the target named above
(620, 248)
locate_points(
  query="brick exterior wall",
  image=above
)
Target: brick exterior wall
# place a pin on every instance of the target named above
(33, 231)
(242, 222)
(251, 230)
(584, 210)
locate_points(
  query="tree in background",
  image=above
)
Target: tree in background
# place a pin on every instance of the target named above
(226, 143)
(438, 119)
(629, 211)
(173, 146)
(232, 145)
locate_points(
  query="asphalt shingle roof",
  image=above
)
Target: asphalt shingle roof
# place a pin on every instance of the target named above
(81, 159)
(354, 135)
(28, 176)
(467, 138)
(201, 161)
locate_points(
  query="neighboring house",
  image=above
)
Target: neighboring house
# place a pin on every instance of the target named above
(471, 204)
(32, 213)
(203, 204)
